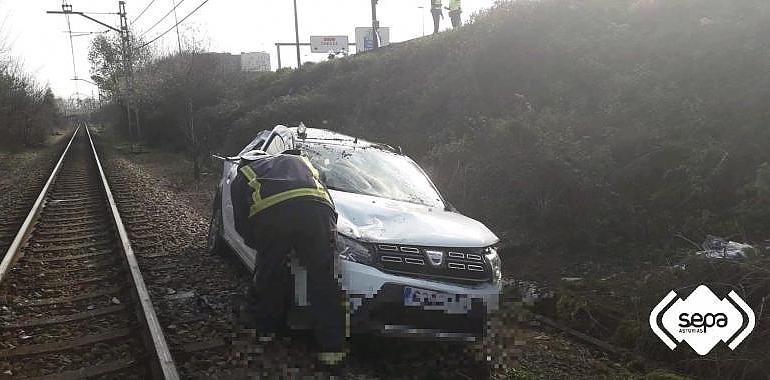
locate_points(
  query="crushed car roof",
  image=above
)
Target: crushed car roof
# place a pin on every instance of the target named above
(318, 135)
(327, 135)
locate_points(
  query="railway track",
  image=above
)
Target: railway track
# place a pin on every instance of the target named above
(12, 219)
(73, 302)
(15, 196)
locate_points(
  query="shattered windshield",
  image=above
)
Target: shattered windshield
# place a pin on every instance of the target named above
(372, 171)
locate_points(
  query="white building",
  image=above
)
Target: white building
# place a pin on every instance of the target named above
(257, 61)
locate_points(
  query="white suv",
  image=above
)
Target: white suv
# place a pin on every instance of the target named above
(410, 264)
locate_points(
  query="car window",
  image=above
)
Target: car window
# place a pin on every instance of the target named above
(256, 143)
(372, 171)
(277, 145)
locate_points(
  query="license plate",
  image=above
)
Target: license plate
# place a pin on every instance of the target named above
(423, 297)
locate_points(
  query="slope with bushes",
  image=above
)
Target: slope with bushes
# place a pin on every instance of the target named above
(575, 126)
(28, 111)
(593, 128)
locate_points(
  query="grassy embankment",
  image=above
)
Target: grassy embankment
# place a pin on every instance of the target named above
(17, 157)
(597, 131)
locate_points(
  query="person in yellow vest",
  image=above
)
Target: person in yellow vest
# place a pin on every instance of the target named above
(455, 10)
(290, 209)
(437, 12)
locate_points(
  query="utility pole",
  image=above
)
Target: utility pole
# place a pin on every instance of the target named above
(278, 53)
(125, 41)
(125, 38)
(422, 17)
(64, 8)
(178, 39)
(296, 33)
(375, 26)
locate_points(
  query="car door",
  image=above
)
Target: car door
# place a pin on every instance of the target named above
(275, 141)
(245, 253)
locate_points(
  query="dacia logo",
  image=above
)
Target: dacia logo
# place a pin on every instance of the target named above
(702, 320)
(435, 257)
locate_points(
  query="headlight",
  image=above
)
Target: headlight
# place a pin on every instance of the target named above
(494, 261)
(352, 250)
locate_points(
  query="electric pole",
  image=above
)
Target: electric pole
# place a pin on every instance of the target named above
(125, 42)
(422, 17)
(296, 34)
(125, 39)
(375, 26)
(178, 39)
(65, 7)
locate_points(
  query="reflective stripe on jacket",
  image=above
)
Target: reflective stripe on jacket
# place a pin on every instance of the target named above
(276, 179)
(331, 358)
(435, 4)
(454, 5)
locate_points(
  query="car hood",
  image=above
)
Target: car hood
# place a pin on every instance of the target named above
(381, 220)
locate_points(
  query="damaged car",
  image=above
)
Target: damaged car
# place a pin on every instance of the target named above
(410, 263)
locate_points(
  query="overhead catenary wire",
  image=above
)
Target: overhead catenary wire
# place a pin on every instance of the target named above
(143, 11)
(175, 25)
(72, 47)
(161, 19)
(81, 34)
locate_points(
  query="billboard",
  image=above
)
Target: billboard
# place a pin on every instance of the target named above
(325, 44)
(259, 61)
(364, 41)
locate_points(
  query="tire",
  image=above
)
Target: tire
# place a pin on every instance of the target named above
(215, 243)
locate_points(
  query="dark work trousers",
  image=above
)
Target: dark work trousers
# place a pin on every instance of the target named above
(309, 228)
(437, 16)
(456, 19)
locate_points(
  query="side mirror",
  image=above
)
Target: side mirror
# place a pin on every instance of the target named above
(222, 158)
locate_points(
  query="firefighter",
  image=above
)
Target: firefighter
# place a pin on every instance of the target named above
(455, 10)
(289, 209)
(437, 12)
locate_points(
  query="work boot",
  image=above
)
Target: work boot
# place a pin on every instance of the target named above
(244, 314)
(333, 363)
(336, 371)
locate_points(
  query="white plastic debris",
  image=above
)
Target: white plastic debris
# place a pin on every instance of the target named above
(718, 248)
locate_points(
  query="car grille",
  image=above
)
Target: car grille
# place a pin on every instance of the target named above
(460, 264)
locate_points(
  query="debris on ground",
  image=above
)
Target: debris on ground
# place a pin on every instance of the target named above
(718, 248)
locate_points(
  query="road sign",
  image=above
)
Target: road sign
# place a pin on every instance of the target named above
(364, 40)
(325, 44)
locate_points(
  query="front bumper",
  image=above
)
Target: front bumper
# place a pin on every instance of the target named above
(377, 305)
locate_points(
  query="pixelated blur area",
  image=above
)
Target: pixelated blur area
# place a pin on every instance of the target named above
(378, 348)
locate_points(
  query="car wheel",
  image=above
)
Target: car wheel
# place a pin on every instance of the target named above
(216, 243)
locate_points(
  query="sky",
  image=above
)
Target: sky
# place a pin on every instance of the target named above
(40, 41)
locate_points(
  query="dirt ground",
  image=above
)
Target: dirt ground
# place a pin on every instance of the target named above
(23, 172)
(15, 163)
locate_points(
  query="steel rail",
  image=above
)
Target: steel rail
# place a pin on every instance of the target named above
(12, 255)
(164, 367)
(162, 364)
